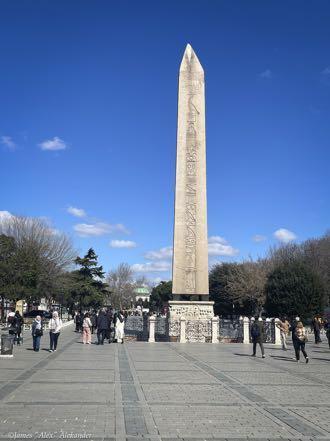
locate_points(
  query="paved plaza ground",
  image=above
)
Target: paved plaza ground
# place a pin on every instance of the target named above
(163, 391)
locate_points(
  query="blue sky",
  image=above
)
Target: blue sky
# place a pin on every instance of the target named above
(88, 108)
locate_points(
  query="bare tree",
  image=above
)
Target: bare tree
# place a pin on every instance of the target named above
(247, 283)
(121, 286)
(41, 252)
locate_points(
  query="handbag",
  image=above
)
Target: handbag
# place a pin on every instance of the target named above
(39, 332)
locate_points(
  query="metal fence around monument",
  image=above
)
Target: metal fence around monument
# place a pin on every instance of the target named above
(230, 331)
(137, 327)
(269, 328)
(161, 329)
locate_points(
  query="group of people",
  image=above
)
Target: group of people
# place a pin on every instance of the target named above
(54, 327)
(298, 334)
(109, 325)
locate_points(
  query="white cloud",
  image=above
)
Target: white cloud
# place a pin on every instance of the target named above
(162, 254)
(8, 143)
(156, 280)
(122, 244)
(5, 216)
(53, 144)
(218, 246)
(267, 74)
(151, 267)
(98, 229)
(326, 71)
(284, 235)
(259, 238)
(78, 212)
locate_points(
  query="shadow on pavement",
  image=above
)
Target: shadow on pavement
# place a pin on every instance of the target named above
(242, 355)
(279, 357)
(322, 359)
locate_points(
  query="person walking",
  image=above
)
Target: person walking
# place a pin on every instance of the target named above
(54, 325)
(87, 325)
(17, 325)
(292, 329)
(283, 326)
(37, 333)
(102, 326)
(300, 333)
(327, 330)
(120, 326)
(110, 319)
(316, 324)
(258, 336)
(93, 321)
(77, 320)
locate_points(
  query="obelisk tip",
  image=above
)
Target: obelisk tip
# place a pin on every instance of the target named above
(190, 61)
(189, 50)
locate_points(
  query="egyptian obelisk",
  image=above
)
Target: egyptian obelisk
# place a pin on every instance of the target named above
(190, 249)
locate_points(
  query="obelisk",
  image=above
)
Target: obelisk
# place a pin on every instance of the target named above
(190, 249)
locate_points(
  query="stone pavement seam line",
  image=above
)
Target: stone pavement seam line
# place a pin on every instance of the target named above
(119, 412)
(226, 381)
(22, 378)
(134, 420)
(241, 389)
(305, 375)
(147, 414)
(291, 418)
(293, 421)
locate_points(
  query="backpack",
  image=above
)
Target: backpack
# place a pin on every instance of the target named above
(255, 331)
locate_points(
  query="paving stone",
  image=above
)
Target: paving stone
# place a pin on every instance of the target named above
(164, 391)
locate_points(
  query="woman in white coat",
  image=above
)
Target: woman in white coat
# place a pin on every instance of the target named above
(120, 324)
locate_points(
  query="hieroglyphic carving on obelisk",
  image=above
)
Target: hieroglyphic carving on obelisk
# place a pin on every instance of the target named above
(190, 250)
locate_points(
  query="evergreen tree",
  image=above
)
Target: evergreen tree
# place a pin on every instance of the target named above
(160, 295)
(85, 285)
(293, 289)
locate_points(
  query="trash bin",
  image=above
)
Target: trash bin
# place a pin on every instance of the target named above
(7, 344)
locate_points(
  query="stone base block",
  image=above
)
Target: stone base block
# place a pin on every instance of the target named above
(190, 321)
(190, 310)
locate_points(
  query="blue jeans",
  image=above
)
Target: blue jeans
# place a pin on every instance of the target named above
(36, 342)
(53, 340)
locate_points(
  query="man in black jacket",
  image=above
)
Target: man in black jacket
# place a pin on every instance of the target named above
(258, 336)
(102, 326)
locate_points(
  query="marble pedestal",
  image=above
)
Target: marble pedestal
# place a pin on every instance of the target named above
(190, 321)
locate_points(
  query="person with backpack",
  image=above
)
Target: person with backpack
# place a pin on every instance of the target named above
(258, 336)
(120, 324)
(301, 338)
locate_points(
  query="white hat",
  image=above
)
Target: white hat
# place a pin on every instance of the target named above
(297, 319)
